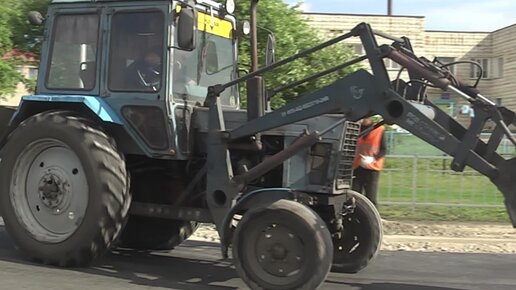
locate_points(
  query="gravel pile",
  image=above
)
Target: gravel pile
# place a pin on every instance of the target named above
(429, 237)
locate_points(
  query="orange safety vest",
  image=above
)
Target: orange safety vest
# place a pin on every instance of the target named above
(369, 145)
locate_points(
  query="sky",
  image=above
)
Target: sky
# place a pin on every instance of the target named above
(450, 15)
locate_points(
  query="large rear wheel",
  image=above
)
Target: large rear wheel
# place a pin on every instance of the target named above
(284, 245)
(361, 236)
(63, 189)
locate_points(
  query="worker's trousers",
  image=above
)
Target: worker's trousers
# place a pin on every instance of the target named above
(365, 181)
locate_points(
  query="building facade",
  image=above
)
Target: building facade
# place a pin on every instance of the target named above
(28, 68)
(494, 51)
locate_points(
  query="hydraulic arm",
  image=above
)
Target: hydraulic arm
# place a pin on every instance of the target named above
(363, 94)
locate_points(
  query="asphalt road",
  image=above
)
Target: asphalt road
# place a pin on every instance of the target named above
(197, 265)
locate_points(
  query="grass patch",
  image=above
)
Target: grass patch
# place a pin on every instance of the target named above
(433, 213)
(434, 182)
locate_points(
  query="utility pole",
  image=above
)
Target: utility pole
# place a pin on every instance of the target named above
(254, 37)
(389, 7)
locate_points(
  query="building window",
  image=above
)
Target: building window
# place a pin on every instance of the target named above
(498, 67)
(447, 60)
(475, 71)
(335, 32)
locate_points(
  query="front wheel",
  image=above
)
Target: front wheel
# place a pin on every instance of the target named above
(284, 245)
(63, 189)
(360, 238)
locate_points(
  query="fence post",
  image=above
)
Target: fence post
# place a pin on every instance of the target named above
(414, 181)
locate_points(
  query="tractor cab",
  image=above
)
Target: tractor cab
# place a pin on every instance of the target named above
(142, 59)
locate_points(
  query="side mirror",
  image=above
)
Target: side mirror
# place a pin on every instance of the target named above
(243, 28)
(270, 53)
(230, 6)
(35, 18)
(186, 28)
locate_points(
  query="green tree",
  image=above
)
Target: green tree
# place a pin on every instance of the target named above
(9, 77)
(293, 35)
(27, 37)
(16, 32)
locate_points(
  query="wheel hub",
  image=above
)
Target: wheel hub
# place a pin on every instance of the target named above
(51, 190)
(54, 190)
(350, 237)
(280, 252)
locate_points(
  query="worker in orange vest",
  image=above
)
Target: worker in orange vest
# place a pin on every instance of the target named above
(369, 159)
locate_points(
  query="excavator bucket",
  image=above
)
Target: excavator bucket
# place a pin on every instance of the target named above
(506, 183)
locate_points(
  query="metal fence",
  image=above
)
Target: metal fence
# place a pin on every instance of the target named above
(399, 143)
(418, 174)
(428, 180)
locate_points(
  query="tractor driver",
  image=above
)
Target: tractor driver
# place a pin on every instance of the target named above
(145, 72)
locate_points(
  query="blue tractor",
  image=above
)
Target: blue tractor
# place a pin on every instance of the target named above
(135, 136)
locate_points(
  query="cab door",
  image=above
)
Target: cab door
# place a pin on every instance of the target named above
(135, 72)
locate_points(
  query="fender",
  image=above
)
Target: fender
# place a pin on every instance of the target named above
(31, 105)
(252, 199)
(93, 107)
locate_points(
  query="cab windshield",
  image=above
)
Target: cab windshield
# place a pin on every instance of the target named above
(211, 62)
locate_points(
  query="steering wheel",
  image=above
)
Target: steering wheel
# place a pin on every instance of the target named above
(149, 77)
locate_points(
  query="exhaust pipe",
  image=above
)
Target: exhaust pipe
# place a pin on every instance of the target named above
(255, 95)
(255, 88)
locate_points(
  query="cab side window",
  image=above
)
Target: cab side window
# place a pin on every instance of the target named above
(73, 56)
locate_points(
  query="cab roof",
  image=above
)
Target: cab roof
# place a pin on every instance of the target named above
(204, 2)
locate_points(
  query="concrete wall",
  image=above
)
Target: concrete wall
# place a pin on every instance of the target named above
(330, 25)
(504, 46)
(462, 46)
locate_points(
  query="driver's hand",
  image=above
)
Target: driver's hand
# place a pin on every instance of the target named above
(366, 161)
(191, 83)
